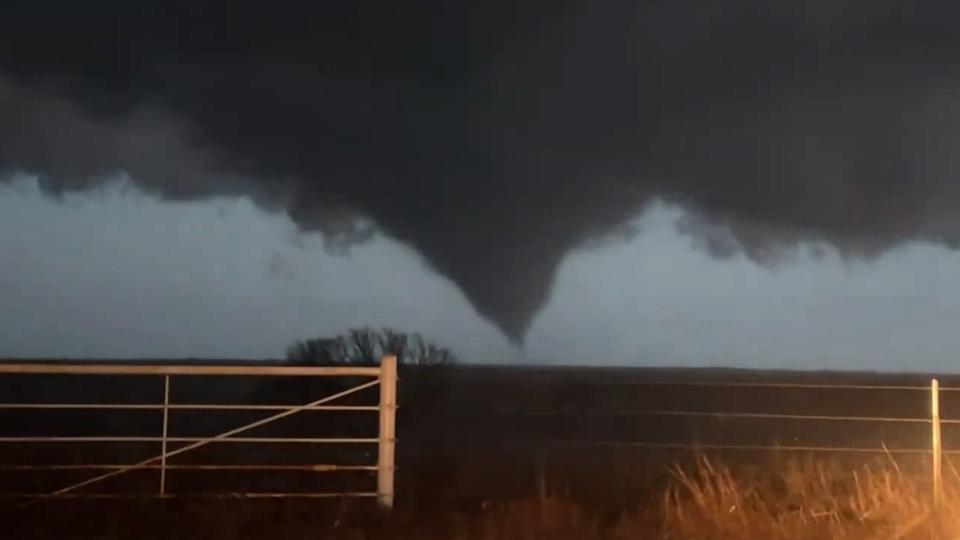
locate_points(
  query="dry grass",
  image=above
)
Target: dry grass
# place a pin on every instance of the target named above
(796, 499)
(803, 500)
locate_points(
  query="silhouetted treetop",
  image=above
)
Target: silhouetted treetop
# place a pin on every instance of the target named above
(365, 346)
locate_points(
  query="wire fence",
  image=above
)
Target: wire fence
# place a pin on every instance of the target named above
(922, 393)
(930, 447)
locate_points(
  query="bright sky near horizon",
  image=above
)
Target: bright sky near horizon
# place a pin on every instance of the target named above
(114, 273)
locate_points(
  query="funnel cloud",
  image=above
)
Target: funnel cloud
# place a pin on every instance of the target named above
(495, 137)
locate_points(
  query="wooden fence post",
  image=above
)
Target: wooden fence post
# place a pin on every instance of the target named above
(937, 456)
(388, 431)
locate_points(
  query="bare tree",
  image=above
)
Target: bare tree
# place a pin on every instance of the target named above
(423, 353)
(395, 343)
(365, 346)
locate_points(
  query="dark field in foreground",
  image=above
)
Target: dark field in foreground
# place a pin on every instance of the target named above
(477, 448)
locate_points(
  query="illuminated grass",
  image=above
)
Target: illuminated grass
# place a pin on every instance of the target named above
(794, 499)
(803, 500)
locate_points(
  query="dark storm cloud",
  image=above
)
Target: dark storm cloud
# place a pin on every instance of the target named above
(494, 137)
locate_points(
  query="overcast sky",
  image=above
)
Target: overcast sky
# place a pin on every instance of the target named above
(791, 167)
(115, 273)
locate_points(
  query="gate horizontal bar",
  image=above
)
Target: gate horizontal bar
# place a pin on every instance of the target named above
(254, 495)
(269, 467)
(186, 407)
(147, 369)
(305, 440)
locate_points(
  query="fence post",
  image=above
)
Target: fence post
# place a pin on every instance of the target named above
(388, 430)
(937, 455)
(163, 444)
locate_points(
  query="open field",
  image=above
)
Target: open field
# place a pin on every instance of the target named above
(513, 453)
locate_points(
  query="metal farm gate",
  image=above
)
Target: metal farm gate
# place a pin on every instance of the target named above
(167, 445)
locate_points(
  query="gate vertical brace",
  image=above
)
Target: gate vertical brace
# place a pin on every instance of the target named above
(388, 432)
